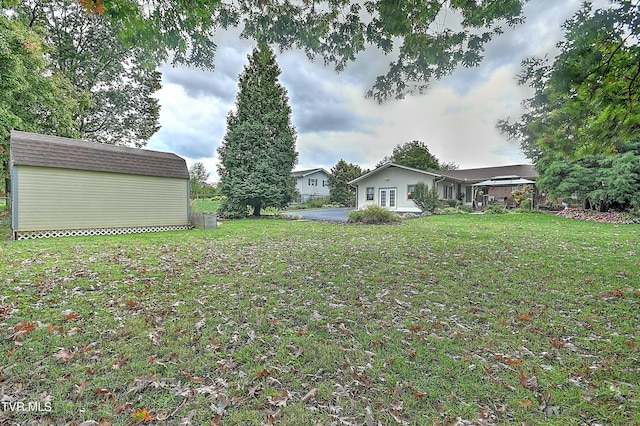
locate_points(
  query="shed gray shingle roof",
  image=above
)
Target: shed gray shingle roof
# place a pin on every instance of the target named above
(32, 149)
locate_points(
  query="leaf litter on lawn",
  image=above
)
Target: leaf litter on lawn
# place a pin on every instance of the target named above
(276, 322)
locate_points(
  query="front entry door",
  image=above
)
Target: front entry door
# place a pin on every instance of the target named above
(388, 198)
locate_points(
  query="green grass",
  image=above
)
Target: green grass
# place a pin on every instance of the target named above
(205, 205)
(494, 319)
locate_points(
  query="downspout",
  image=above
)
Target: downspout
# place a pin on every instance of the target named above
(357, 194)
(436, 181)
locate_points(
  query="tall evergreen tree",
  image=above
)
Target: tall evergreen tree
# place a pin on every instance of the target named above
(339, 190)
(258, 152)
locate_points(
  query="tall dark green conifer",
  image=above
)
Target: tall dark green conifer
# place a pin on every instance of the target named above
(258, 152)
(340, 192)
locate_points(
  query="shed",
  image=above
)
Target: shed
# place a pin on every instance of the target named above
(68, 187)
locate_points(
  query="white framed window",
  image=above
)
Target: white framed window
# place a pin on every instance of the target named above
(313, 182)
(410, 190)
(370, 192)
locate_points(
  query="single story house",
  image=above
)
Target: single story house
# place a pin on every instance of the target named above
(311, 184)
(391, 185)
(65, 187)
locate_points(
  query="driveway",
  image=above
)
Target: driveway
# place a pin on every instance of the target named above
(330, 215)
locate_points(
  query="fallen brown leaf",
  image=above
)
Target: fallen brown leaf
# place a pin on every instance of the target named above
(310, 395)
(122, 361)
(528, 382)
(64, 355)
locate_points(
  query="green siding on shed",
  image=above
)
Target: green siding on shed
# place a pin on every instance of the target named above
(52, 198)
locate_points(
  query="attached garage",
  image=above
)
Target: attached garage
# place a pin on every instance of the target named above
(65, 187)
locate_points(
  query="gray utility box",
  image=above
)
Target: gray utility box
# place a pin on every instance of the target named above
(204, 220)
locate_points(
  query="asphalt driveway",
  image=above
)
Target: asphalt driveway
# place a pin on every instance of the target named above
(329, 215)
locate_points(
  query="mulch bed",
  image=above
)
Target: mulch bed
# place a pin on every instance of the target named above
(593, 216)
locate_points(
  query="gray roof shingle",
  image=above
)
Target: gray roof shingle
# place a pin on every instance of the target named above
(32, 149)
(526, 171)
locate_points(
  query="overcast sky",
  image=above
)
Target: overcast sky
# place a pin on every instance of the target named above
(456, 117)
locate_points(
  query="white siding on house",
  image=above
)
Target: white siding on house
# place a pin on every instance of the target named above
(385, 181)
(52, 198)
(314, 185)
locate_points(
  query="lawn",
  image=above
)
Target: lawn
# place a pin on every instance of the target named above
(205, 205)
(463, 319)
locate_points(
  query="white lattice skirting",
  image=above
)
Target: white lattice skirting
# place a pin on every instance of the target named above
(32, 235)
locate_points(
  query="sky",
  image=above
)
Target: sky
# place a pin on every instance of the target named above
(456, 117)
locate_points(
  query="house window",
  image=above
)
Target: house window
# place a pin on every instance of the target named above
(388, 198)
(410, 190)
(447, 192)
(370, 192)
(313, 182)
(324, 183)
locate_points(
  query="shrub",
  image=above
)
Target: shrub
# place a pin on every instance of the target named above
(496, 209)
(526, 204)
(449, 210)
(372, 214)
(452, 203)
(521, 196)
(218, 198)
(232, 210)
(466, 209)
(426, 199)
(316, 203)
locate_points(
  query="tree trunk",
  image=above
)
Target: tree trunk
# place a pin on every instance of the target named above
(256, 210)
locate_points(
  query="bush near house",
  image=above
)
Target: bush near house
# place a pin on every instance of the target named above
(496, 209)
(426, 199)
(373, 214)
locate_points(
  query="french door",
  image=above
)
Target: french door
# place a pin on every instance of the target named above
(388, 198)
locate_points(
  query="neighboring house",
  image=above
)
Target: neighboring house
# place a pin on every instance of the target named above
(311, 184)
(390, 185)
(65, 187)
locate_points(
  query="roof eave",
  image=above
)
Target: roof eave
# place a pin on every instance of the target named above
(386, 166)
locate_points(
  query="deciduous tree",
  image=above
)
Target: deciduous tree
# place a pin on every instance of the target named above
(427, 39)
(32, 97)
(85, 48)
(414, 154)
(587, 98)
(585, 111)
(258, 152)
(199, 175)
